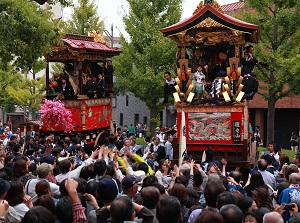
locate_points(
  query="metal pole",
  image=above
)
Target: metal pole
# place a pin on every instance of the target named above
(112, 35)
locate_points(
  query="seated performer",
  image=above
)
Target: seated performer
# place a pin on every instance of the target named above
(89, 86)
(65, 87)
(220, 68)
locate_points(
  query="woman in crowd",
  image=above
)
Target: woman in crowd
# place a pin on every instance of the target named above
(17, 199)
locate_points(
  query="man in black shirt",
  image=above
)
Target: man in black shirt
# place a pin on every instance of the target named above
(90, 87)
(248, 60)
(250, 84)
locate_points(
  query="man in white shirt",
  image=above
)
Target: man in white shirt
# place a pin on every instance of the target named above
(169, 147)
(268, 178)
(44, 171)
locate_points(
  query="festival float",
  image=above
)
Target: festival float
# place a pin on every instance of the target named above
(76, 112)
(212, 111)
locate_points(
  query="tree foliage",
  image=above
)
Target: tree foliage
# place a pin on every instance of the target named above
(26, 33)
(28, 92)
(8, 78)
(278, 50)
(147, 52)
(85, 18)
(51, 2)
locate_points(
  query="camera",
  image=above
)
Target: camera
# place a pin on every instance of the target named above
(151, 148)
(287, 207)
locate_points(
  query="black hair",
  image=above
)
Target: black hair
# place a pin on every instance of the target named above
(245, 70)
(121, 209)
(149, 181)
(193, 197)
(16, 147)
(212, 189)
(143, 166)
(262, 164)
(74, 140)
(150, 197)
(110, 170)
(12, 138)
(47, 202)
(91, 188)
(56, 151)
(168, 210)
(15, 193)
(64, 166)
(160, 187)
(39, 214)
(181, 180)
(232, 213)
(100, 167)
(256, 180)
(209, 153)
(244, 202)
(225, 198)
(11, 144)
(63, 210)
(268, 158)
(67, 141)
(88, 172)
(30, 152)
(248, 47)
(236, 175)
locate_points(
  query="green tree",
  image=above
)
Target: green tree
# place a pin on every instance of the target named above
(26, 33)
(138, 67)
(28, 93)
(85, 18)
(278, 51)
(8, 78)
(51, 2)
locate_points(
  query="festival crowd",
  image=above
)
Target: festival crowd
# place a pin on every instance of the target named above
(54, 180)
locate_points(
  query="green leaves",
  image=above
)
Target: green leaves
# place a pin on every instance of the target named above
(26, 32)
(139, 69)
(279, 46)
(28, 92)
(85, 19)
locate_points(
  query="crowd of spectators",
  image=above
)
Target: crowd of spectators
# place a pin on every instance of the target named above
(55, 180)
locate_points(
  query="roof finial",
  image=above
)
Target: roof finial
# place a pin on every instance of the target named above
(208, 2)
(212, 3)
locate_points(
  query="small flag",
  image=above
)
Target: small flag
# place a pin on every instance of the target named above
(182, 144)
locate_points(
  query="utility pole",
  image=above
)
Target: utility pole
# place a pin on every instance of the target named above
(110, 36)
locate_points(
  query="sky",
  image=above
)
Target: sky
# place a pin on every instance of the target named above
(112, 12)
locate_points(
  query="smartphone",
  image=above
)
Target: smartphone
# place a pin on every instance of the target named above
(287, 207)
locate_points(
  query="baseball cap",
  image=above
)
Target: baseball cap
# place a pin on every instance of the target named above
(44, 169)
(130, 180)
(47, 159)
(4, 185)
(107, 190)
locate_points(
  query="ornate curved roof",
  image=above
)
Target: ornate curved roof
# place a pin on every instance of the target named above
(80, 47)
(210, 25)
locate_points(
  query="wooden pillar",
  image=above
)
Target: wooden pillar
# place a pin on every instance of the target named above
(47, 76)
(79, 70)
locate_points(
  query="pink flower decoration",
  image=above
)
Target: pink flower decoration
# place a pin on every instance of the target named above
(55, 113)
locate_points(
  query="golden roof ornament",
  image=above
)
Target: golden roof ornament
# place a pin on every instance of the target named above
(98, 36)
(212, 3)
